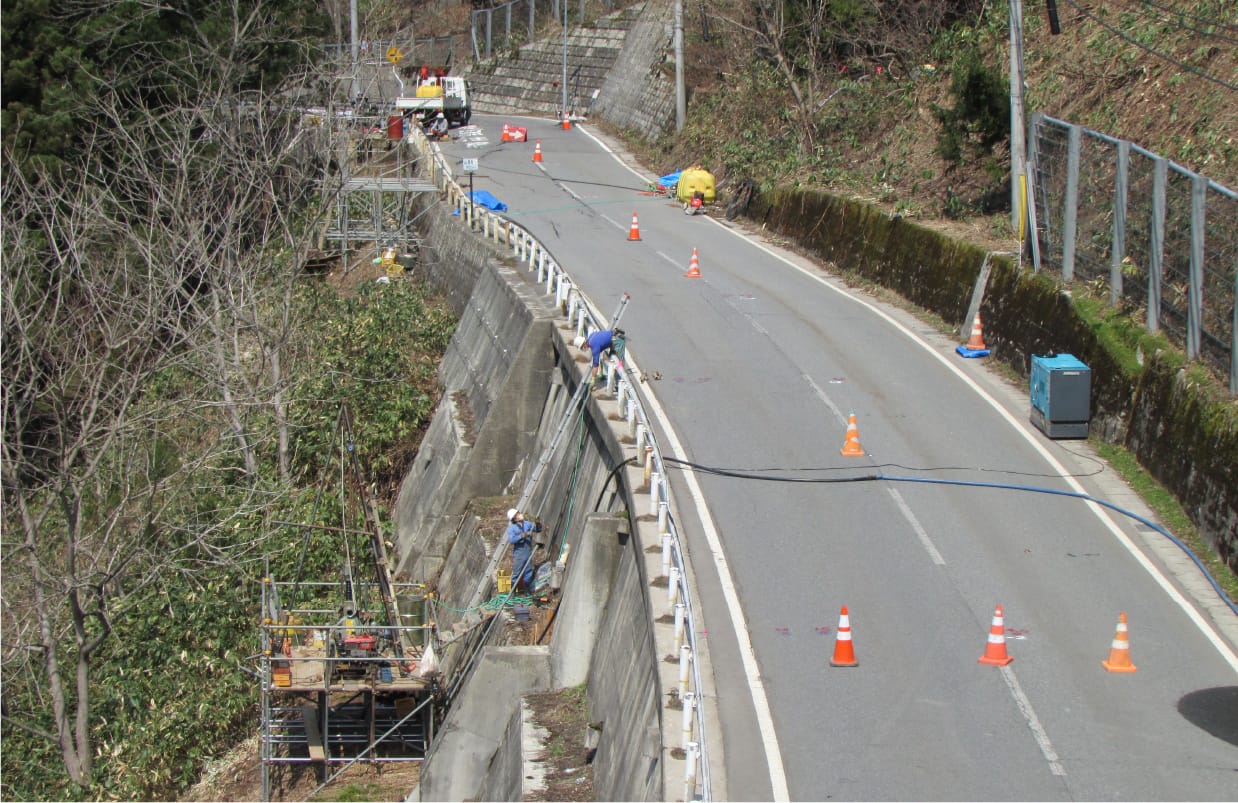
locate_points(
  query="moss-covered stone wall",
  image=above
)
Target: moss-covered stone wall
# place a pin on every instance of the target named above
(1180, 431)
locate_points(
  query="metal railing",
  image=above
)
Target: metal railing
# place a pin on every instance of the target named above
(1150, 233)
(555, 280)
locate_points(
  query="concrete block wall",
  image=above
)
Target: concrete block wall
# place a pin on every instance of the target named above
(639, 92)
(620, 59)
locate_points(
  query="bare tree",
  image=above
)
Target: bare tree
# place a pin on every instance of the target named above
(91, 479)
(147, 293)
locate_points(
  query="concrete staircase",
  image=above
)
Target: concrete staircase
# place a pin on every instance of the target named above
(527, 82)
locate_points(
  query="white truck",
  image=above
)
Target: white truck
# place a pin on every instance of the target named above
(448, 94)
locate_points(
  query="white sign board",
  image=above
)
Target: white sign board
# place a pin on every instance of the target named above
(470, 165)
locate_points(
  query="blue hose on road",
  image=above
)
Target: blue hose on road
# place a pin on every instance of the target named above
(1075, 495)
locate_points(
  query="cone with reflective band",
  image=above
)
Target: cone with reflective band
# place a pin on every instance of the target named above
(995, 650)
(1120, 651)
(537, 151)
(634, 232)
(567, 123)
(976, 341)
(844, 650)
(694, 266)
(851, 446)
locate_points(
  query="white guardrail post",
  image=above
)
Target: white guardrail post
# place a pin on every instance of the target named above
(569, 300)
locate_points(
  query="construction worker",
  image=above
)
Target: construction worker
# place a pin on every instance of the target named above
(520, 535)
(437, 128)
(602, 342)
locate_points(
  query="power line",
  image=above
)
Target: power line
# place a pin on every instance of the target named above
(1157, 53)
(1186, 15)
(1182, 25)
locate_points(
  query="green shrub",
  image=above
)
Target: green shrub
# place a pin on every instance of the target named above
(980, 119)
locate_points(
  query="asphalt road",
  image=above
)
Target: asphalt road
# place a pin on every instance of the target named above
(760, 362)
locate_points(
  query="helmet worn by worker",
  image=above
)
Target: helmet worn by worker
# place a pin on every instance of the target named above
(511, 514)
(439, 115)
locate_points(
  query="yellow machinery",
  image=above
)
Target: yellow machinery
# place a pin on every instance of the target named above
(694, 180)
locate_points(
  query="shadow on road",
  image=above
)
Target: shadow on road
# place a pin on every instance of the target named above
(1214, 710)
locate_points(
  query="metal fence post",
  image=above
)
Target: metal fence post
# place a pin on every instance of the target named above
(1195, 282)
(1033, 193)
(489, 32)
(1117, 250)
(1156, 248)
(1070, 219)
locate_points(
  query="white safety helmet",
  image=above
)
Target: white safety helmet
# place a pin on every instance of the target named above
(511, 514)
(439, 116)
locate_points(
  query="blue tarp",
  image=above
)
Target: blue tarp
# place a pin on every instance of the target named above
(483, 198)
(670, 179)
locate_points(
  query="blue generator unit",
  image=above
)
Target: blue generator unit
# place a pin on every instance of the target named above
(1061, 388)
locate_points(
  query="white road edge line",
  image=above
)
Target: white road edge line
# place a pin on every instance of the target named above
(1033, 722)
(765, 718)
(915, 525)
(761, 702)
(756, 686)
(1206, 629)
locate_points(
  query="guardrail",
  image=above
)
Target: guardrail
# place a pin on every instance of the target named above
(535, 256)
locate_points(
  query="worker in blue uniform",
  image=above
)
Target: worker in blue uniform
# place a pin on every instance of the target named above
(601, 342)
(520, 534)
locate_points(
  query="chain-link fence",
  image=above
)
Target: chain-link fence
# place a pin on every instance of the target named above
(1155, 236)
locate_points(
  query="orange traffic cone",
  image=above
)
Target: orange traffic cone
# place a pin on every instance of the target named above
(995, 650)
(1120, 650)
(976, 341)
(537, 152)
(567, 123)
(851, 446)
(634, 232)
(694, 267)
(844, 651)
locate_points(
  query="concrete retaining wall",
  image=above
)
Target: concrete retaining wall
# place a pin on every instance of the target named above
(588, 585)
(507, 379)
(639, 92)
(504, 779)
(469, 739)
(623, 688)
(493, 378)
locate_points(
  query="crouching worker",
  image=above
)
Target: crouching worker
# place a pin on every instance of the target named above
(601, 343)
(437, 127)
(520, 535)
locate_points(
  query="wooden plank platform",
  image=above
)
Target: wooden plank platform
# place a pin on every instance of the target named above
(313, 733)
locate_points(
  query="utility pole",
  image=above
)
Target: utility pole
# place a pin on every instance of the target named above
(564, 84)
(681, 101)
(1018, 130)
(352, 24)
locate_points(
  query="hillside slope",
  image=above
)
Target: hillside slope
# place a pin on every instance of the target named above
(1165, 81)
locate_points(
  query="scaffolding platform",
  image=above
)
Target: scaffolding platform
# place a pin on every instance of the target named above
(342, 683)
